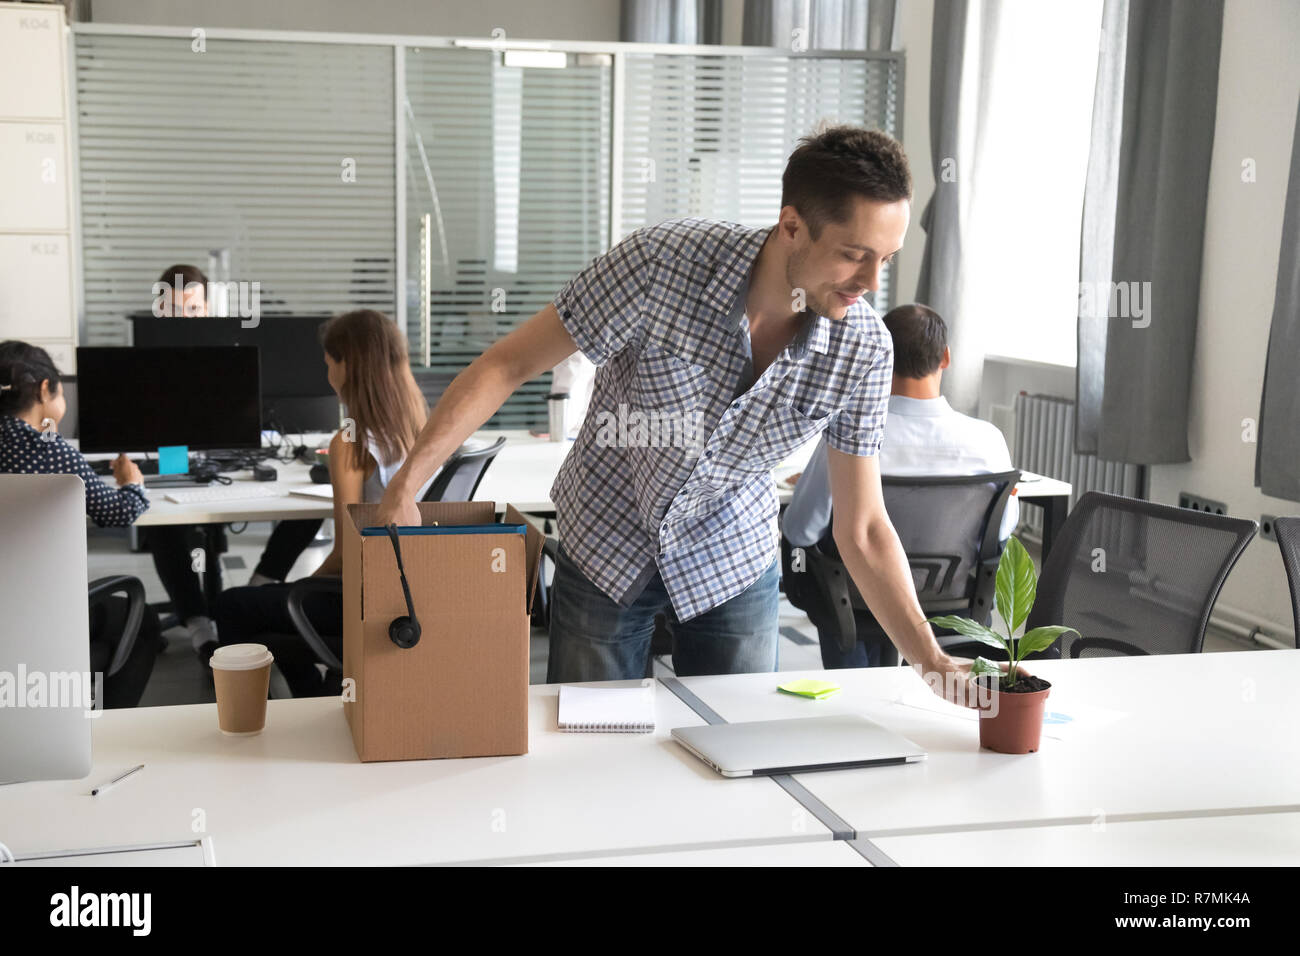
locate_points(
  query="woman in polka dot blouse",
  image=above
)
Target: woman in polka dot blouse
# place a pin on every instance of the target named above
(31, 405)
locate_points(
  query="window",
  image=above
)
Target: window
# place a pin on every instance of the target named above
(246, 147)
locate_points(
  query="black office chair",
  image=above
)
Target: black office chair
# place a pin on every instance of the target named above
(1133, 577)
(124, 635)
(462, 473)
(1288, 539)
(458, 480)
(948, 526)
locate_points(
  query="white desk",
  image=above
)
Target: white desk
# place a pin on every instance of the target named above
(836, 853)
(297, 794)
(1202, 733)
(1254, 839)
(526, 468)
(521, 474)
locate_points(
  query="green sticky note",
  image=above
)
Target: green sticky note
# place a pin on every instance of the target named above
(815, 689)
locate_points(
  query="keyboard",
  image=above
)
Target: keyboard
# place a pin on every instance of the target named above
(104, 466)
(212, 493)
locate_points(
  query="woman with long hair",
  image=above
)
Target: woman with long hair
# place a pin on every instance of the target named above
(366, 356)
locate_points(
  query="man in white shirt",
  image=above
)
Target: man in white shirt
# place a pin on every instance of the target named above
(923, 436)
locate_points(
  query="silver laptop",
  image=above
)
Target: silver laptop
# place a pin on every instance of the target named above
(44, 629)
(798, 745)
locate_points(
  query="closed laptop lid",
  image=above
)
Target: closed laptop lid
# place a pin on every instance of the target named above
(798, 745)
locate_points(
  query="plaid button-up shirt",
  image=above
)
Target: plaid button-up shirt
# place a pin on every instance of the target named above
(672, 468)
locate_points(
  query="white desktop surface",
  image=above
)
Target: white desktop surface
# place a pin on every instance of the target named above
(526, 468)
(297, 794)
(1252, 839)
(1203, 732)
(521, 474)
(822, 853)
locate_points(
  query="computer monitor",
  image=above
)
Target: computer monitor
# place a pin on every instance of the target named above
(296, 393)
(137, 399)
(45, 636)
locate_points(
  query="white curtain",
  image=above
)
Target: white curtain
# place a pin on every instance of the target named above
(964, 45)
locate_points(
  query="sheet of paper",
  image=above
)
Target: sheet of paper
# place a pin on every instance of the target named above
(1062, 720)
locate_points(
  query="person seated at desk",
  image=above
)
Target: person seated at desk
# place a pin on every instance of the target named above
(370, 370)
(923, 436)
(31, 406)
(181, 290)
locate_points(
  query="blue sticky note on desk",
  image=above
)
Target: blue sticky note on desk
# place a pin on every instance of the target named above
(174, 460)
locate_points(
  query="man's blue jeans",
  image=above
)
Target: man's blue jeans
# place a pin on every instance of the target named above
(596, 638)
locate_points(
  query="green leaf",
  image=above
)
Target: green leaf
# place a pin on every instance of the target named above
(979, 667)
(1015, 585)
(1039, 639)
(969, 628)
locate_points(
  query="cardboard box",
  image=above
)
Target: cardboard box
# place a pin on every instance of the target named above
(462, 691)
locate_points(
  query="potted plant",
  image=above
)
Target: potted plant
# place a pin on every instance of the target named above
(1011, 722)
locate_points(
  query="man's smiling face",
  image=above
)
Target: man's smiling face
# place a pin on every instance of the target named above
(845, 259)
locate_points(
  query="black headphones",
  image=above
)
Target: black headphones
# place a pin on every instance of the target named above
(403, 631)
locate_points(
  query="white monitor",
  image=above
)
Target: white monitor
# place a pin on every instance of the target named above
(45, 679)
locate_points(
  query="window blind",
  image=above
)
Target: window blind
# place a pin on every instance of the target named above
(246, 146)
(709, 135)
(511, 167)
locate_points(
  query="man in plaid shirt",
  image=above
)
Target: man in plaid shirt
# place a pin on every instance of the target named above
(720, 349)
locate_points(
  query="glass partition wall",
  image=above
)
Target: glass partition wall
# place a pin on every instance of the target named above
(454, 184)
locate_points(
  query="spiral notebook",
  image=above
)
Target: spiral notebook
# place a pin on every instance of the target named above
(629, 709)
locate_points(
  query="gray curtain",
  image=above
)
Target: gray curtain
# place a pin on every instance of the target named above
(1135, 357)
(671, 21)
(1277, 455)
(936, 286)
(827, 24)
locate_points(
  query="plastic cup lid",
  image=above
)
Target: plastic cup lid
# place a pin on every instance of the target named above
(241, 657)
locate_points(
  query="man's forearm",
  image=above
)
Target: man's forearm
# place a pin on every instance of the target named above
(878, 565)
(469, 401)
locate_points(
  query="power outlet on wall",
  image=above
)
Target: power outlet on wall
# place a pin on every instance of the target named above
(1207, 505)
(1266, 527)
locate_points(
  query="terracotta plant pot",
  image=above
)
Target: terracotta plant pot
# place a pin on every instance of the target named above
(1013, 723)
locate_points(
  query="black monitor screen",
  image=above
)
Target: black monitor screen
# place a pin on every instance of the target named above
(293, 362)
(138, 399)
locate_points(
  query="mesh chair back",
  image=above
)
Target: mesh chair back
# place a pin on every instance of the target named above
(1288, 539)
(460, 476)
(1134, 577)
(948, 526)
(949, 529)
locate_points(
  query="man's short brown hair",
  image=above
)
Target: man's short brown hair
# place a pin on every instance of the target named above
(829, 167)
(188, 274)
(920, 336)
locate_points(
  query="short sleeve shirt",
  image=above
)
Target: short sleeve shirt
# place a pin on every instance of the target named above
(671, 471)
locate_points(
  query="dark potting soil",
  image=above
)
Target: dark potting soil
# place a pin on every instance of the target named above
(1023, 685)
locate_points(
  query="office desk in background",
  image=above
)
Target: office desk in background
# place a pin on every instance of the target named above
(521, 474)
(526, 468)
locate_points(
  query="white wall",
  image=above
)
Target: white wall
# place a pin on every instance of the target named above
(596, 20)
(1259, 81)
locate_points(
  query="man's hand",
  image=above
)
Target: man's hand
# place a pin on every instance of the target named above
(398, 508)
(950, 678)
(126, 471)
(539, 344)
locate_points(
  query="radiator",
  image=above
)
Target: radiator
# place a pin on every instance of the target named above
(1044, 430)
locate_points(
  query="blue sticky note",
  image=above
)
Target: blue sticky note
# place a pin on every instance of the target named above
(174, 460)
